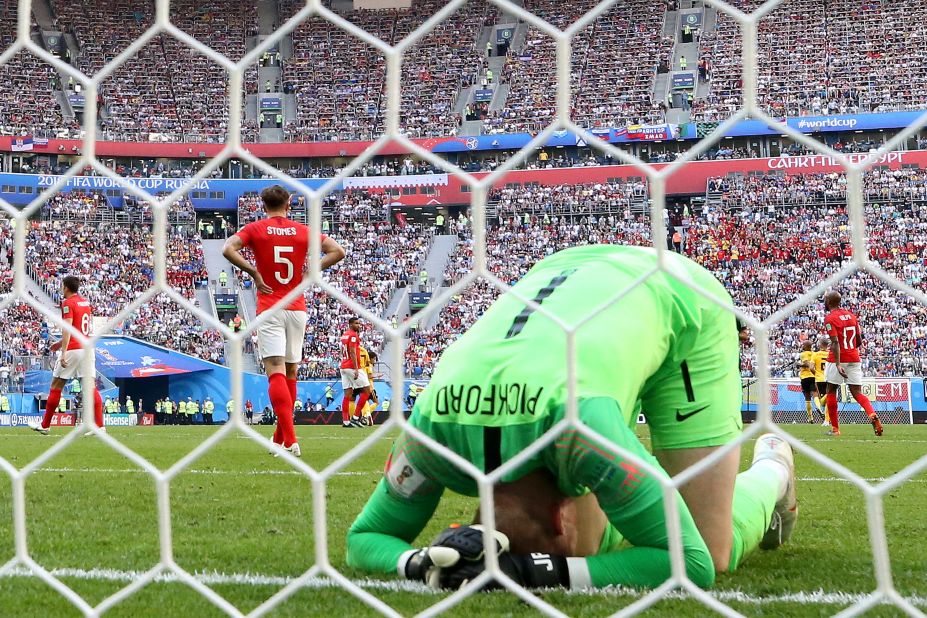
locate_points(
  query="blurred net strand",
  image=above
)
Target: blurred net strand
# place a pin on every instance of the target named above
(393, 55)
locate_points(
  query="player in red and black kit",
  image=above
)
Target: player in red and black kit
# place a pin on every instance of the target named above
(843, 364)
(281, 248)
(76, 311)
(353, 377)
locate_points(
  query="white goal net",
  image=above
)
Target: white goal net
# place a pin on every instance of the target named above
(766, 415)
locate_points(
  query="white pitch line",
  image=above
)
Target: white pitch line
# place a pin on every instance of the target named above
(65, 470)
(32, 436)
(197, 471)
(214, 578)
(837, 479)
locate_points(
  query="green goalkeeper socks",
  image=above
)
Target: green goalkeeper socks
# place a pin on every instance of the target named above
(755, 494)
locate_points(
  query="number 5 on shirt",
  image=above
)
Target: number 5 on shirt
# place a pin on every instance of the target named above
(287, 263)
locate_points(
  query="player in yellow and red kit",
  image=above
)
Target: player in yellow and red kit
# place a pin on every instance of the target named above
(820, 362)
(806, 375)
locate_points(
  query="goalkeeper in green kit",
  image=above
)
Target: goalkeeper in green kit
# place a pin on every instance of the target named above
(577, 514)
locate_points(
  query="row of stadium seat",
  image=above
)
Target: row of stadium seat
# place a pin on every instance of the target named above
(167, 91)
(339, 81)
(842, 57)
(906, 184)
(809, 63)
(614, 62)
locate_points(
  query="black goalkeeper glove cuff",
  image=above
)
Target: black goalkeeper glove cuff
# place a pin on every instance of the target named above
(536, 570)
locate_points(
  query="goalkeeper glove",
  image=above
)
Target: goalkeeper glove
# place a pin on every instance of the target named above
(530, 570)
(457, 545)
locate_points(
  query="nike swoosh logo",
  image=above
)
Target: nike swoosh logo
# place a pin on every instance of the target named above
(682, 417)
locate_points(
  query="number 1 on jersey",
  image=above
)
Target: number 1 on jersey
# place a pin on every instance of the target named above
(522, 318)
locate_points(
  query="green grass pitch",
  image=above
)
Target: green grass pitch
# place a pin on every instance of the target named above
(243, 521)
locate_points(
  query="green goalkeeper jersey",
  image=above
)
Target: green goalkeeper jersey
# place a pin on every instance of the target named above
(505, 383)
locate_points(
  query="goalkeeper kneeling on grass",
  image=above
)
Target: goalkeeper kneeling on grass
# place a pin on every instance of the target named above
(662, 347)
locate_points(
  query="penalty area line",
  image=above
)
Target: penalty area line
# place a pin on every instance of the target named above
(215, 578)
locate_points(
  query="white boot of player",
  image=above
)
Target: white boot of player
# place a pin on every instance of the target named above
(38, 427)
(294, 449)
(90, 433)
(771, 447)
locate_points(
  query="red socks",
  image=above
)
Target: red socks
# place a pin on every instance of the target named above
(278, 435)
(361, 402)
(346, 410)
(51, 406)
(282, 403)
(291, 384)
(54, 398)
(865, 403)
(832, 410)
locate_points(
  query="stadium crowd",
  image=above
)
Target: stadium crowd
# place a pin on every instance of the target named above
(821, 61)
(810, 63)
(438, 66)
(27, 100)
(623, 46)
(383, 257)
(166, 91)
(115, 264)
(578, 199)
(777, 189)
(78, 205)
(766, 257)
(340, 82)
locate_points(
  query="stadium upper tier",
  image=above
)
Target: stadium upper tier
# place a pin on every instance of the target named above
(821, 58)
(331, 86)
(614, 64)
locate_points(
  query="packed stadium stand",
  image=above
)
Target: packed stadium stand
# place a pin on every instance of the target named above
(27, 101)
(810, 60)
(115, 264)
(841, 57)
(615, 61)
(78, 205)
(340, 81)
(902, 185)
(384, 257)
(765, 256)
(438, 66)
(167, 91)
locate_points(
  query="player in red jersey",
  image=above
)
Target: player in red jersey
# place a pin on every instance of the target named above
(353, 377)
(281, 248)
(843, 363)
(75, 310)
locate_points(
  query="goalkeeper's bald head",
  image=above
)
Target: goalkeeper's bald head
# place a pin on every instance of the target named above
(536, 517)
